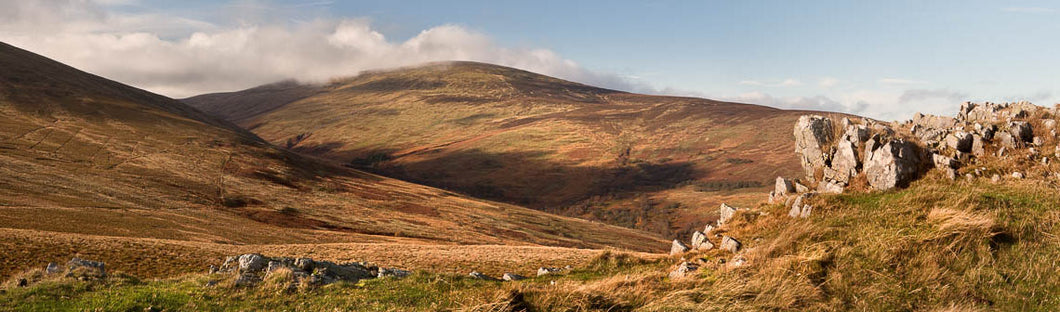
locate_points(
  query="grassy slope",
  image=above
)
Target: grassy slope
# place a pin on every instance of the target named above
(85, 155)
(651, 162)
(938, 245)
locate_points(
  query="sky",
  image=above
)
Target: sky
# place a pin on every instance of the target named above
(882, 59)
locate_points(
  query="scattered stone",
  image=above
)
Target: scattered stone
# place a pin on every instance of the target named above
(676, 248)
(730, 244)
(683, 270)
(806, 209)
(969, 177)
(1038, 141)
(480, 276)
(783, 187)
(1021, 130)
(512, 277)
(996, 178)
(738, 261)
(1017, 175)
(951, 174)
(391, 272)
(53, 268)
(725, 213)
(845, 161)
(546, 271)
(960, 141)
(707, 229)
(830, 187)
(978, 148)
(85, 268)
(698, 238)
(1006, 139)
(944, 161)
(800, 188)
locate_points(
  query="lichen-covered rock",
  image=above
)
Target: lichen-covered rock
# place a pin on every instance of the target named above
(894, 164)
(677, 247)
(697, 239)
(251, 262)
(831, 187)
(392, 272)
(812, 135)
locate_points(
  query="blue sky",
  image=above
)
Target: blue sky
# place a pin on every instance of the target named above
(885, 59)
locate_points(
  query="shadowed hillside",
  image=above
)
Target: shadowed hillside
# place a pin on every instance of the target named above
(651, 162)
(88, 156)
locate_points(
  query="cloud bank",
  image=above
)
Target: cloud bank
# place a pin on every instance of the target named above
(181, 57)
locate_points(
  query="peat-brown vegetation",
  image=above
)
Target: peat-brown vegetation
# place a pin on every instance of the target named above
(519, 137)
(85, 155)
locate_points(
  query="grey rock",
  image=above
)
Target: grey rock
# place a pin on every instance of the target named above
(730, 244)
(53, 268)
(806, 210)
(392, 272)
(725, 213)
(480, 276)
(830, 187)
(546, 271)
(1006, 140)
(698, 238)
(801, 188)
(247, 279)
(707, 229)
(783, 187)
(252, 263)
(738, 261)
(894, 164)
(978, 146)
(512, 277)
(960, 141)
(944, 161)
(1017, 175)
(678, 247)
(812, 135)
(845, 160)
(1021, 130)
(683, 270)
(996, 178)
(86, 267)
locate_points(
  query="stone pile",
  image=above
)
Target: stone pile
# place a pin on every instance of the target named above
(251, 269)
(701, 241)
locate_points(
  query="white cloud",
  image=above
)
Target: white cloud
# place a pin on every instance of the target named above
(790, 82)
(900, 81)
(828, 82)
(180, 57)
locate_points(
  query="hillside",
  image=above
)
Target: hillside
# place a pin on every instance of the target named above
(656, 163)
(88, 156)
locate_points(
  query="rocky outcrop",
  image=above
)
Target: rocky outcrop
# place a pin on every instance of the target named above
(251, 269)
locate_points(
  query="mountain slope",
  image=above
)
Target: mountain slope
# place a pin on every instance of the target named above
(652, 162)
(84, 155)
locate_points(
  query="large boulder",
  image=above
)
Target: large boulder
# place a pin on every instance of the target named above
(813, 135)
(894, 164)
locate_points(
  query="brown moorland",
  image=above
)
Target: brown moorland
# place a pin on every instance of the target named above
(81, 154)
(656, 163)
